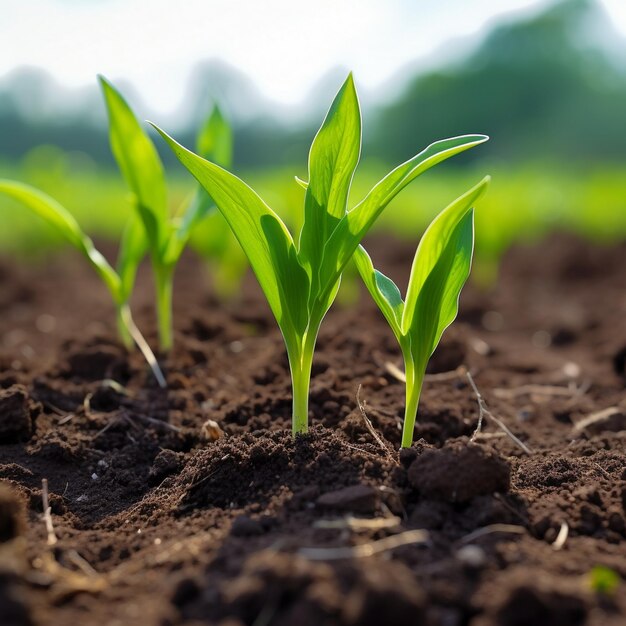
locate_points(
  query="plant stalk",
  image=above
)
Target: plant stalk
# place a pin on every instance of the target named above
(164, 279)
(414, 381)
(122, 328)
(300, 363)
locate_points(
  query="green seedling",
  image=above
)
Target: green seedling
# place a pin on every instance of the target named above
(213, 238)
(162, 235)
(146, 229)
(119, 283)
(440, 268)
(603, 580)
(300, 280)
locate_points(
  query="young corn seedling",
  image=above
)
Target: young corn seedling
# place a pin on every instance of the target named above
(119, 283)
(164, 236)
(142, 168)
(213, 239)
(300, 279)
(440, 268)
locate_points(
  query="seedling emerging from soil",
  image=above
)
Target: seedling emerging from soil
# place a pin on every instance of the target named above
(118, 283)
(149, 228)
(603, 580)
(300, 280)
(164, 236)
(440, 268)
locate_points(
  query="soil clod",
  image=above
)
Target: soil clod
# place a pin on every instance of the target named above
(15, 416)
(459, 472)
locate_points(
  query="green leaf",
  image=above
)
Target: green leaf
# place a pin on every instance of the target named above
(214, 143)
(382, 289)
(446, 245)
(52, 212)
(437, 304)
(215, 139)
(603, 580)
(301, 182)
(333, 158)
(355, 224)
(262, 235)
(133, 247)
(139, 163)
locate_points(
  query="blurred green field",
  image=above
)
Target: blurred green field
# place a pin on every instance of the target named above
(522, 203)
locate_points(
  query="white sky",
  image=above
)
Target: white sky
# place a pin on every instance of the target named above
(285, 46)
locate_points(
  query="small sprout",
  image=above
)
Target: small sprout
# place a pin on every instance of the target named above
(300, 276)
(153, 228)
(148, 229)
(603, 580)
(440, 268)
(52, 212)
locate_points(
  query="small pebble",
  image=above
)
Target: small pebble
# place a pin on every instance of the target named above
(357, 498)
(472, 556)
(211, 431)
(492, 321)
(541, 339)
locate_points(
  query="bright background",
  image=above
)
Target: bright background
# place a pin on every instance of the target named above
(546, 80)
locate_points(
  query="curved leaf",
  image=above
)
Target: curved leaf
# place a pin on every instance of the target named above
(382, 289)
(52, 212)
(262, 235)
(139, 163)
(301, 183)
(133, 247)
(214, 143)
(435, 245)
(355, 224)
(437, 304)
(333, 158)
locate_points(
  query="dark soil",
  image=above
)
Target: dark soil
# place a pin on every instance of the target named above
(164, 518)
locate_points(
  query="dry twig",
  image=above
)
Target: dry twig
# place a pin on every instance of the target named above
(357, 523)
(491, 529)
(483, 411)
(47, 513)
(597, 417)
(368, 424)
(365, 549)
(549, 391)
(398, 374)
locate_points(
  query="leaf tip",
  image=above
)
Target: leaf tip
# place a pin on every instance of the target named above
(161, 132)
(480, 188)
(105, 84)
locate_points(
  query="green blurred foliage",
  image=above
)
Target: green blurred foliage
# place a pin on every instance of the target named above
(553, 106)
(603, 580)
(522, 204)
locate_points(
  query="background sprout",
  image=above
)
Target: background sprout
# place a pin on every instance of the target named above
(603, 580)
(153, 229)
(440, 268)
(149, 228)
(213, 238)
(300, 280)
(117, 282)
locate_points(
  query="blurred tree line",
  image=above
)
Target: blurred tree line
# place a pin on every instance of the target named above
(536, 86)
